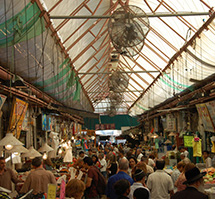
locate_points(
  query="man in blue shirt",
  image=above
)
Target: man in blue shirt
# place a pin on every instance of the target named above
(122, 174)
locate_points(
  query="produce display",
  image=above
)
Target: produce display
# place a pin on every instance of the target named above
(209, 178)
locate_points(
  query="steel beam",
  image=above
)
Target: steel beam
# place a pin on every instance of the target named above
(120, 92)
(93, 73)
(158, 14)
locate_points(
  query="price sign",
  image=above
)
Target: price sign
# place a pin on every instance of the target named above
(51, 191)
(188, 141)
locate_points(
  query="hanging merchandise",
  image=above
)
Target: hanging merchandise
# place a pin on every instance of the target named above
(206, 118)
(197, 147)
(68, 157)
(2, 100)
(213, 144)
(44, 122)
(211, 109)
(171, 123)
(54, 144)
(157, 143)
(156, 124)
(25, 124)
(17, 116)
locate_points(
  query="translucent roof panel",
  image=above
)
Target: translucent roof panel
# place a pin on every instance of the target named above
(84, 44)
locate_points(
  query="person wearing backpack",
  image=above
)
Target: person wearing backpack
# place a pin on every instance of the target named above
(95, 182)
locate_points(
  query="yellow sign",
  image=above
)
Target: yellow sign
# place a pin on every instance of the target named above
(188, 141)
(51, 191)
(17, 116)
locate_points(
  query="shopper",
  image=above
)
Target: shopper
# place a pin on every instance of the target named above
(82, 154)
(96, 161)
(75, 189)
(122, 188)
(208, 160)
(139, 182)
(112, 165)
(148, 168)
(176, 172)
(139, 155)
(47, 164)
(179, 183)
(151, 161)
(141, 193)
(92, 179)
(90, 153)
(122, 174)
(103, 164)
(122, 154)
(160, 183)
(6, 175)
(132, 163)
(185, 159)
(38, 179)
(194, 180)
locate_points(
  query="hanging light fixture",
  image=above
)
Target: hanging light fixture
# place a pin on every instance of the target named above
(18, 149)
(32, 153)
(8, 147)
(167, 142)
(154, 135)
(9, 141)
(45, 156)
(60, 151)
(172, 134)
(149, 134)
(45, 148)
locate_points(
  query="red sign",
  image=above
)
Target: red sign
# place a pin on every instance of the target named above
(104, 126)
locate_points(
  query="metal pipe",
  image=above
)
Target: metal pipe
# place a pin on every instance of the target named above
(158, 14)
(142, 71)
(120, 92)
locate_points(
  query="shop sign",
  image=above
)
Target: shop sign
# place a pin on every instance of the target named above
(188, 141)
(171, 123)
(17, 116)
(44, 122)
(105, 126)
(211, 109)
(205, 116)
(2, 100)
(155, 124)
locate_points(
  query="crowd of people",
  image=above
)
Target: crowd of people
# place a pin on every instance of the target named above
(115, 172)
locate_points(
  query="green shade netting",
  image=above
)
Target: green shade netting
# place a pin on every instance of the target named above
(78, 90)
(23, 26)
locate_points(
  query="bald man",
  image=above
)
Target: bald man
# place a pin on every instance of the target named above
(122, 174)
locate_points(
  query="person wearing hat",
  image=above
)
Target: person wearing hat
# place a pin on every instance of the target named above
(194, 180)
(184, 159)
(139, 182)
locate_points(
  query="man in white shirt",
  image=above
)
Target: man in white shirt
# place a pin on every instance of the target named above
(139, 155)
(148, 168)
(184, 159)
(208, 160)
(103, 163)
(160, 183)
(139, 178)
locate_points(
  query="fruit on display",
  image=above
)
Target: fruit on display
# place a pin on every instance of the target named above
(209, 178)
